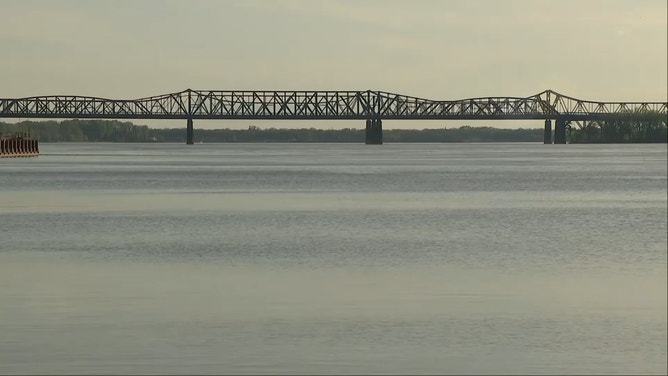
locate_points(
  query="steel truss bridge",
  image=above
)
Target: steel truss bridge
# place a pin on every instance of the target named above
(371, 106)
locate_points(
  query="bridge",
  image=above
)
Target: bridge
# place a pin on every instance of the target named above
(370, 106)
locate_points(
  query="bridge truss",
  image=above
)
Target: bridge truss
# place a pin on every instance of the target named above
(320, 105)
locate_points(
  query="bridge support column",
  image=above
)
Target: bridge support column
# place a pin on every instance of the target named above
(189, 132)
(374, 132)
(560, 131)
(547, 135)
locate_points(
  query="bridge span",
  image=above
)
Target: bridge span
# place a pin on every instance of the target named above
(370, 106)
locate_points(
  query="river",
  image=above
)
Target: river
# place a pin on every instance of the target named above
(480, 258)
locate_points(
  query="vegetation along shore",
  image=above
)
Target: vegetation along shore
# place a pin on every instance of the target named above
(124, 131)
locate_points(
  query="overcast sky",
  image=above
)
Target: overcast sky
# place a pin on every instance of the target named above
(437, 49)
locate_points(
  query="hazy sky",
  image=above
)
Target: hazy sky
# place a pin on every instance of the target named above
(438, 49)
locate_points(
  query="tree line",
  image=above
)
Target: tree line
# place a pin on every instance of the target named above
(629, 130)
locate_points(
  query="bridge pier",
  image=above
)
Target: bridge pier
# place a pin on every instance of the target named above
(374, 132)
(189, 132)
(560, 131)
(547, 134)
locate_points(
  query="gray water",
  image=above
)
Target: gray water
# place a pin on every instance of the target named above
(334, 259)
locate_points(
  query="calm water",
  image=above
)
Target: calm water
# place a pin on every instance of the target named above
(331, 259)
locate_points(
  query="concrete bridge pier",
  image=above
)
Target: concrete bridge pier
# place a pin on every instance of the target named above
(560, 131)
(189, 132)
(547, 134)
(374, 132)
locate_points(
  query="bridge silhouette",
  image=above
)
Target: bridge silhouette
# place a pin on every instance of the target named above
(370, 106)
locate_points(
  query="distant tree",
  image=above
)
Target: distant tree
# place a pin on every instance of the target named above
(637, 127)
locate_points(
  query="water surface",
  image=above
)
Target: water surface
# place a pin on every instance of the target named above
(334, 258)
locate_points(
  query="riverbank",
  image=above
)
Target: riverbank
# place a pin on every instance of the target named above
(118, 131)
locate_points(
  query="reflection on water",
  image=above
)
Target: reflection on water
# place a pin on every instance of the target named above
(302, 259)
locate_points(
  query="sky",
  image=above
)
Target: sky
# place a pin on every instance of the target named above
(604, 50)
